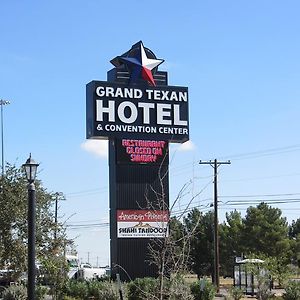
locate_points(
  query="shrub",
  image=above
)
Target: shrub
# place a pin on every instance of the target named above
(15, 293)
(77, 289)
(97, 290)
(40, 292)
(177, 289)
(292, 291)
(263, 287)
(103, 291)
(235, 293)
(203, 290)
(148, 289)
(142, 289)
(53, 273)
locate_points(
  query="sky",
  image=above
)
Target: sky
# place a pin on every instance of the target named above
(239, 60)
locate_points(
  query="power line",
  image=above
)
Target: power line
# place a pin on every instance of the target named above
(89, 191)
(247, 155)
(266, 152)
(90, 224)
(87, 226)
(263, 195)
(262, 177)
(260, 201)
(180, 212)
(240, 203)
(267, 200)
(87, 221)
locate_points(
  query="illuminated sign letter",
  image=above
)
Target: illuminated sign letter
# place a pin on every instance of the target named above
(100, 110)
(161, 113)
(177, 120)
(133, 112)
(146, 111)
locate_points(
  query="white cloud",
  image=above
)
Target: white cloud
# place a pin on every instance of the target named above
(96, 147)
(187, 146)
(100, 147)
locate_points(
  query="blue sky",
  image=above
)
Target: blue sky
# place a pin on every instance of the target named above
(240, 60)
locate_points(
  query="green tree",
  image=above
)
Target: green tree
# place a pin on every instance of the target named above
(296, 250)
(294, 234)
(177, 230)
(294, 229)
(200, 227)
(278, 269)
(230, 241)
(265, 232)
(13, 222)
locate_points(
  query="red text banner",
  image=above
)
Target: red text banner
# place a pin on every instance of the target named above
(142, 223)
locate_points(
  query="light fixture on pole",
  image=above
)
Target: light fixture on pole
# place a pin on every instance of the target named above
(31, 168)
(2, 103)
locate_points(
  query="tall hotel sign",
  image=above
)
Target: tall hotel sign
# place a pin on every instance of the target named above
(139, 113)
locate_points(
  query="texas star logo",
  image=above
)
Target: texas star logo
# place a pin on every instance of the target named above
(140, 62)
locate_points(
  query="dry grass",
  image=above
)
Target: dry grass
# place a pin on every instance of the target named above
(224, 282)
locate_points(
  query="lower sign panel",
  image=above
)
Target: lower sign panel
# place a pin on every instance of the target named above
(142, 224)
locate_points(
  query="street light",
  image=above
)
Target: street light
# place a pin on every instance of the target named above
(30, 168)
(2, 103)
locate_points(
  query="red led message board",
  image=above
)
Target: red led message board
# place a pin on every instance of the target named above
(141, 152)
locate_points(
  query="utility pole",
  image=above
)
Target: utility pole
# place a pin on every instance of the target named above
(215, 164)
(58, 196)
(2, 103)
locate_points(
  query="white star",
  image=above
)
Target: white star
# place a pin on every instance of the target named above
(149, 63)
